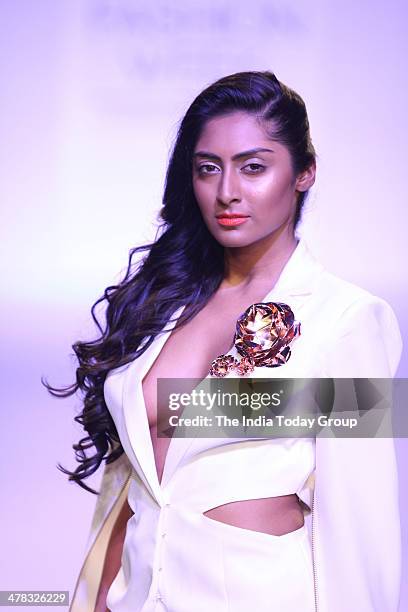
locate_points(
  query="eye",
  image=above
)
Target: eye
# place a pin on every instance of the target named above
(254, 168)
(206, 169)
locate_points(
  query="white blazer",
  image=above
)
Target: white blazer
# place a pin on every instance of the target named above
(354, 522)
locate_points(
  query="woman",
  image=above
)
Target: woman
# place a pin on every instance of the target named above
(221, 524)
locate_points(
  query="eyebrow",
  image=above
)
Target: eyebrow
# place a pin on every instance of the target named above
(234, 157)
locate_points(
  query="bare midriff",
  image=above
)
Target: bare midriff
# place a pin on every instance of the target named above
(212, 331)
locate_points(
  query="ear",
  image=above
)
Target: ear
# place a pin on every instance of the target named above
(306, 178)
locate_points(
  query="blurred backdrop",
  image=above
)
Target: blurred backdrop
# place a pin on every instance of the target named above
(91, 93)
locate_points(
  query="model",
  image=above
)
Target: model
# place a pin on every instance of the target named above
(221, 524)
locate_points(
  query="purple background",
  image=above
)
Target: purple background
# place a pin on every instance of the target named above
(90, 96)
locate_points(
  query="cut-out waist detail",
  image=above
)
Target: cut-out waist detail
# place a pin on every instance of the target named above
(273, 515)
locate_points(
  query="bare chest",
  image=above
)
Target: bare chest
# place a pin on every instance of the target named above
(188, 353)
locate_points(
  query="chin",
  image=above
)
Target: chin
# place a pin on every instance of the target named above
(233, 238)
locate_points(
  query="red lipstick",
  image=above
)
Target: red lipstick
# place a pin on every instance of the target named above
(230, 220)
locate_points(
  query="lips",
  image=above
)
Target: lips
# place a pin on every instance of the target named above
(231, 220)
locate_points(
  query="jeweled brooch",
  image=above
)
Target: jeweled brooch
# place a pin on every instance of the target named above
(262, 337)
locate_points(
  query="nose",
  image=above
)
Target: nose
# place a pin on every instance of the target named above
(228, 187)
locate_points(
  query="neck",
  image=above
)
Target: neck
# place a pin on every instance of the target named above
(261, 261)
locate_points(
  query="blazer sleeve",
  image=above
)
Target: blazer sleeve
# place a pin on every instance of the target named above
(356, 523)
(113, 492)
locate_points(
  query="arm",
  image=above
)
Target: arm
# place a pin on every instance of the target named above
(357, 541)
(113, 556)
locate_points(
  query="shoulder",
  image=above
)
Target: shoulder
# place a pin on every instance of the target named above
(332, 295)
(354, 332)
(336, 299)
(343, 296)
(360, 329)
(340, 302)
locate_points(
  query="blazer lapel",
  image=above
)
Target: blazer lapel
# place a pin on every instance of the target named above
(294, 286)
(135, 414)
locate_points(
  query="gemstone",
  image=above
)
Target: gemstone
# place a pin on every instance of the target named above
(222, 365)
(245, 366)
(264, 331)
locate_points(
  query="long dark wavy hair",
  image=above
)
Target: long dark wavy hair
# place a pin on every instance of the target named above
(183, 266)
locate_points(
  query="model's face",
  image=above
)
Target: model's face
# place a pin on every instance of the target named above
(229, 179)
